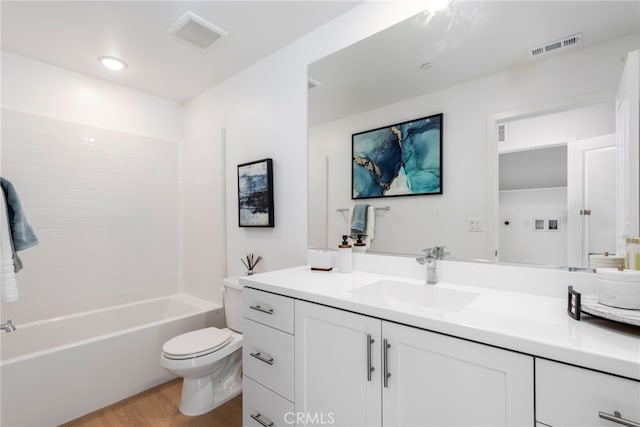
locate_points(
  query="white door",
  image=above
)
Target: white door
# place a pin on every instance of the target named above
(628, 208)
(436, 380)
(591, 197)
(333, 382)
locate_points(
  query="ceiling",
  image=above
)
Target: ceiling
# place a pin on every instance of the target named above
(72, 34)
(466, 41)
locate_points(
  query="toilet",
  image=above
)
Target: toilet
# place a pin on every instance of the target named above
(209, 359)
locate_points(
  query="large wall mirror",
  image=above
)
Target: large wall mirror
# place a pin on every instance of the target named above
(537, 129)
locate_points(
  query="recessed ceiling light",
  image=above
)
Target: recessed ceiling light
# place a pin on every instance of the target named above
(112, 63)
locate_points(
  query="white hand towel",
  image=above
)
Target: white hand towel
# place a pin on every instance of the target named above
(371, 223)
(8, 284)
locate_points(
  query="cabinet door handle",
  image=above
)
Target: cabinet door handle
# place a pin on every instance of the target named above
(370, 368)
(385, 362)
(261, 358)
(257, 307)
(617, 418)
(262, 420)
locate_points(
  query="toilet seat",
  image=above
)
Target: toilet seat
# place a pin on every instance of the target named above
(196, 343)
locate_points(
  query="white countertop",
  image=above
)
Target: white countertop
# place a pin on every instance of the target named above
(528, 323)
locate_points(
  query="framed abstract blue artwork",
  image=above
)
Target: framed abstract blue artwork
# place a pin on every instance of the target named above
(255, 194)
(403, 159)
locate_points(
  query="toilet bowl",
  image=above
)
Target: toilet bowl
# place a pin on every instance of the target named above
(209, 359)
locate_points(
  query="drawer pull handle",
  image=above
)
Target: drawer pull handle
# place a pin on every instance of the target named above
(617, 418)
(385, 363)
(370, 368)
(262, 420)
(261, 358)
(260, 309)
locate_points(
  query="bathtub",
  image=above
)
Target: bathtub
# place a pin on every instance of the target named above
(56, 370)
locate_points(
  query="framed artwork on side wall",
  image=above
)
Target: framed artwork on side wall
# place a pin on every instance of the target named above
(403, 159)
(255, 194)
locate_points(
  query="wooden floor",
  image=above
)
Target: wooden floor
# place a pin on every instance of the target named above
(158, 407)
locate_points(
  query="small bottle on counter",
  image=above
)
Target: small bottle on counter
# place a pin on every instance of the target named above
(359, 245)
(633, 253)
(345, 261)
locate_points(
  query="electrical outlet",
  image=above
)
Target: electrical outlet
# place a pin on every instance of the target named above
(538, 224)
(475, 224)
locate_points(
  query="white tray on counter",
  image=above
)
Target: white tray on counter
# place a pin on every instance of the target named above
(589, 304)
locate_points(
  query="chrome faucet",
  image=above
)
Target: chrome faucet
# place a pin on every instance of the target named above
(429, 260)
(8, 327)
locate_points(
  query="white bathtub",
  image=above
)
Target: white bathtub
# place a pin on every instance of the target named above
(56, 370)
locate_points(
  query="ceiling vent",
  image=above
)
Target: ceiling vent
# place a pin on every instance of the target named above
(568, 41)
(196, 31)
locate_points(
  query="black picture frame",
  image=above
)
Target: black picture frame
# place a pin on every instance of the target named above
(402, 159)
(255, 194)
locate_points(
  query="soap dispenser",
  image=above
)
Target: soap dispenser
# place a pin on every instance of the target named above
(345, 263)
(359, 245)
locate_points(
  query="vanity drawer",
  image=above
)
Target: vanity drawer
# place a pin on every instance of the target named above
(265, 406)
(269, 309)
(571, 396)
(267, 357)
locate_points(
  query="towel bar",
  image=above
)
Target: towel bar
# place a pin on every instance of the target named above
(383, 208)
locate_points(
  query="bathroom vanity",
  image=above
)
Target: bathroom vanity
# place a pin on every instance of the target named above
(367, 348)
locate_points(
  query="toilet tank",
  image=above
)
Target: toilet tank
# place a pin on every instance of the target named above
(233, 303)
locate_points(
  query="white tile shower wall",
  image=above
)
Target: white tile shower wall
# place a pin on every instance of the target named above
(104, 206)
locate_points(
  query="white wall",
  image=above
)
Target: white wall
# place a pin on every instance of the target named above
(41, 89)
(203, 188)
(560, 127)
(519, 242)
(263, 110)
(407, 227)
(105, 211)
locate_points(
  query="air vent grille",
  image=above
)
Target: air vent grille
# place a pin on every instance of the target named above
(502, 133)
(196, 31)
(565, 42)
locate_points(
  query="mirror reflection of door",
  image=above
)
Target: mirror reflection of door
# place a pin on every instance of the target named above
(551, 167)
(591, 198)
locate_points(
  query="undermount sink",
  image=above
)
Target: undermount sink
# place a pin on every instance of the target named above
(414, 294)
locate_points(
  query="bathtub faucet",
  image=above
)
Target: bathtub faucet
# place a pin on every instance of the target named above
(8, 327)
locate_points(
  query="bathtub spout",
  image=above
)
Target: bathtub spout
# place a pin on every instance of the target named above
(8, 327)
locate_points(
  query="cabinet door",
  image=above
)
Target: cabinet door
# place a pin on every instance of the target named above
(571, 396)
(437, 380)
(331, 363)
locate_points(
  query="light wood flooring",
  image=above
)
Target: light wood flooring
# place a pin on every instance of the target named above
(158, 407)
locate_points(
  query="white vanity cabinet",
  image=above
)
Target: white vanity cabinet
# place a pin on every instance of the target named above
(571, 396)
(437, 380)
(333, 350)
(362, 371)
(267, 359)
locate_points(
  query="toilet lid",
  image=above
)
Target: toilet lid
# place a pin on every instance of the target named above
(196, 343)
